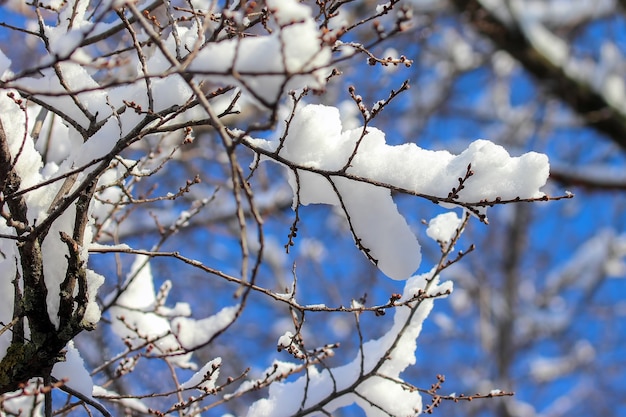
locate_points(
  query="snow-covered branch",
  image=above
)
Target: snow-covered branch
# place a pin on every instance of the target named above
(134, 137)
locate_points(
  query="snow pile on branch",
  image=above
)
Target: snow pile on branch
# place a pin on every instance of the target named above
(372, 380)
(140, 317)
(28, 166)
(443, 228)
(291, 57)
(356, 171)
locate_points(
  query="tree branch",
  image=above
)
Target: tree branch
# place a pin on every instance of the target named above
(592, 107)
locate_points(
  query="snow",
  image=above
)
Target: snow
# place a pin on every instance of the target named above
(131, 403)
(614, 91)
(382, 7)
(381, 393)
(565, 12)
(603, 255)
(288, 12)
(290, 58)
(544, 369)
(76, 78)
(444, 322)
(63, 42)
(205, 378)
(134, 309)
(313, 249)
(548, 44)
(391, 242)
(285, 340)
(29, 166)
(460, 50)
(139, 316)
(194, 333)
(5, 64)
(316, 306)
(116, 247)
(443, 227)
(317, 144)
(92, 310)
(276, 370)
(73, 371)
(24, 405)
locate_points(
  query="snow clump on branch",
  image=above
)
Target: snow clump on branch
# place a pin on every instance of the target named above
(356, 170)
